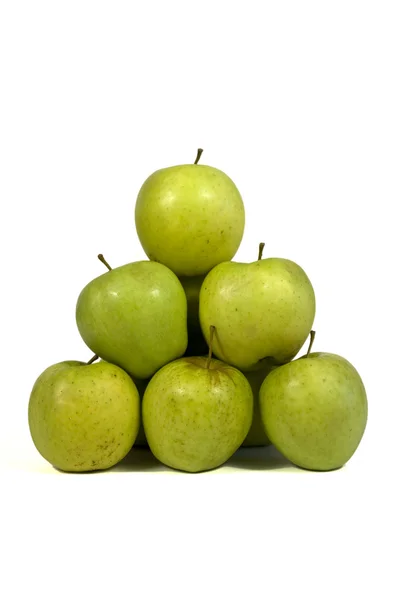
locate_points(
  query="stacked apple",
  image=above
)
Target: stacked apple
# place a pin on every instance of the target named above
(197, 351)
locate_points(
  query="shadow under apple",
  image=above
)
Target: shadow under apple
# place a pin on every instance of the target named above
(260, 459)
(140, 459)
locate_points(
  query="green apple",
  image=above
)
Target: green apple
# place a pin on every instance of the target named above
(314, 410)
(196, 413)
(189, 218)
(135, 317)
(256, 435)
(262, 311)
(83, 417)
(197, 345)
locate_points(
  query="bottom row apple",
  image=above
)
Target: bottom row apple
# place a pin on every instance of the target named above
(84, 417)
(197, 411)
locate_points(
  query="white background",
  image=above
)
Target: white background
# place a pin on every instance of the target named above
(299, 103)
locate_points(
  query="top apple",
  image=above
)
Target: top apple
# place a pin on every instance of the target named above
(189, 218)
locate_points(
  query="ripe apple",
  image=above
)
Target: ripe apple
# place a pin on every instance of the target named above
(189, 218)
(196, 413)
(134, 316)
(314, 410)
(83, 417)
(262, 311)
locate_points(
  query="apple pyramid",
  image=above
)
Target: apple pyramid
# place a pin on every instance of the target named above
(197, 351)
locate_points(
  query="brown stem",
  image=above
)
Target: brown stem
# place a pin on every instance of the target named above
(103, 260)
(199, 153)
(260, 250)
(312, 336)
(95, 357)
(212, 329)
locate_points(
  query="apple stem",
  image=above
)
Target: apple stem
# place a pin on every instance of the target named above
(199, 153)
(95, 357)
(312, 336)
(212, 329)
(260, 250)
(103, 260)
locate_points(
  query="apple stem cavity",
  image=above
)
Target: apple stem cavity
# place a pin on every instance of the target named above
(103, 260)
(199, 153)
(212, 329)
(260, 250)
(312, 336)
(93, 359)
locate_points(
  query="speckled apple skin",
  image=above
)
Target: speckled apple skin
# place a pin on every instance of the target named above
(315, 410)
(84, 417)
(262, 311)
(195, 418)
(189, 218)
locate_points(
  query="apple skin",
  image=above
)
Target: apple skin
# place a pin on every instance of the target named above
(262, 311)
(189, 218)
(196, 417)
(83, 417)
(134, 316)
(256, 435)
(315, 410)
(197, 346)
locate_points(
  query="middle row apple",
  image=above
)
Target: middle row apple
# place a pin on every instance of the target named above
(138, 316)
